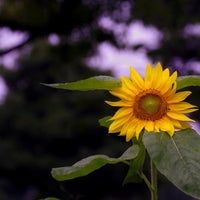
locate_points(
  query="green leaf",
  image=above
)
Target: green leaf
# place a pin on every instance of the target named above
(105, 122)
(136, 166)
(92, 163)
(93, 83)
(187, 81)
(177, 158)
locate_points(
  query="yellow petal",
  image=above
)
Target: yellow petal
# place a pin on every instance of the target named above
(129, 129)
(123, 113)
(179, 116)
(165, 74)
(181, 124)
(176, 123)
(136, 78)
(119, 103)
(188, 110)
(149, 127)
(168, 85)
(180, 96)
(128, 84)
(156, 75)
(180, 106)
(165, 125)
(163, 79)
(139, 128)
(130, 134)
(121, 94)
(170, 93)
(156, 126)
(158, 68)
(130, 124)
(173, 77)
(148, 76)
(185, 125)
(116, 125)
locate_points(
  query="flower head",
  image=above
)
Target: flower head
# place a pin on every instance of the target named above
(151, 104)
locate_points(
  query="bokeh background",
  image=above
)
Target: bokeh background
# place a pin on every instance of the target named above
(51, 41)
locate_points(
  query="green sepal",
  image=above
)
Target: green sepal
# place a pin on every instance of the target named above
(177, 158)
(93, 83)
(136, 166)
(105, 121)
(187, 81)
(92, 163)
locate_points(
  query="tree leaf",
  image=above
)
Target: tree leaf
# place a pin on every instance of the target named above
(136, 165)
(105, 122)
(177, 158)
(92, 163)
(93, 83)
(187, 81)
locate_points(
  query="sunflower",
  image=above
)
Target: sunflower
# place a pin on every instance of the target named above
(150, 104)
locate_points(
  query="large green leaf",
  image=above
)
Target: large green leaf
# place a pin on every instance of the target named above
(136, 167)
(108, 82)
(92, 163)
(187, 81)
(177, 158)
(93, 83)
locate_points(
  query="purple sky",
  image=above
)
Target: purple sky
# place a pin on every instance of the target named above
(119, 61)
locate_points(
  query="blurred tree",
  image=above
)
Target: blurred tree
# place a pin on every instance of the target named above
(43, 128)
(179, 47)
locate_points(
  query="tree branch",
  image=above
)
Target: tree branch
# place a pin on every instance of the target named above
(18, 46)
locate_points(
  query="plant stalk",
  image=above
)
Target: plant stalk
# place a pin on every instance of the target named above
(153, 181)
(142, 175)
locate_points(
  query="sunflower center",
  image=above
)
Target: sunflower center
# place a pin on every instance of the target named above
(150, 105)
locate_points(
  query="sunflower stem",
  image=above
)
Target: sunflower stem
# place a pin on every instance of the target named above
(126, 162)
(142, 175)
(153, 181)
